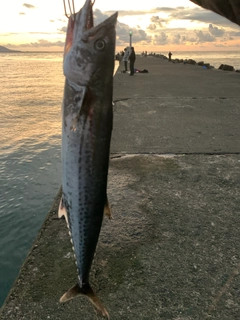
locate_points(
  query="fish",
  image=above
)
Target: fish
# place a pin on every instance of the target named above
(87, 121)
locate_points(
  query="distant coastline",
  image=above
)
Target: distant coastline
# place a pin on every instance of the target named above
(4, 49)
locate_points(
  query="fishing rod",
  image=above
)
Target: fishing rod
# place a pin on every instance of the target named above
(179, 47)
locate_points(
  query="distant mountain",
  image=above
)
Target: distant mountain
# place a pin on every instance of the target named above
(4, 49)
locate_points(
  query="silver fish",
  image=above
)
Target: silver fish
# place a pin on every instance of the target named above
(86, 133)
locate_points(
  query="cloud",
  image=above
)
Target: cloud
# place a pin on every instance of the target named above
(161, 39)
(99, 16)
(138, 35)
(44, 43)
(168, 9)
(39, 32)
(63, 30)
(180, 13)
(9, 34)
(122, 30)
(141, 35)
(22, 13)
(177, 39)
(157, 32)
(40, 44)
(152, 27)
(204, 37)
(20, 34)
(29, 6)
(215, 31)
(200, 15)
(234, 33)
(157, 20)
(123, 13)
(156, 23)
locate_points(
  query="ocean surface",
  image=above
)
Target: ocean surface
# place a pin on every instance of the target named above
(31, 89)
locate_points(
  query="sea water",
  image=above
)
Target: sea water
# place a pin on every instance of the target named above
(31, 90)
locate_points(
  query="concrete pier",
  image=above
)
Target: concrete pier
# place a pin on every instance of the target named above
(172, 249)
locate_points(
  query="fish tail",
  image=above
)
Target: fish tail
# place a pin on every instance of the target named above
(87, 291)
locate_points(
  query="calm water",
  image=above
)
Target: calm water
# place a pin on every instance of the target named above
(30, 132)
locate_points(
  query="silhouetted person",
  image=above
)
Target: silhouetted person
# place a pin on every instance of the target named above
(132, 58)
(125, 58)
(169, 56)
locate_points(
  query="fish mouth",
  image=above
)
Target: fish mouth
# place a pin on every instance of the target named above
(78, 24)
(86, 16)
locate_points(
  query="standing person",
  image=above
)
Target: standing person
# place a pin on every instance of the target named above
(169, 56)
(125, 58)
(132, 58)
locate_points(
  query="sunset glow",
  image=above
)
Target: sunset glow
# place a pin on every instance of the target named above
(40, 25)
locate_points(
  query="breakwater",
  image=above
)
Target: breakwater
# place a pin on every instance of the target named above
(171, 250)
(228, 64)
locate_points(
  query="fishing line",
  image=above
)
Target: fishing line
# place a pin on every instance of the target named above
(179, 48)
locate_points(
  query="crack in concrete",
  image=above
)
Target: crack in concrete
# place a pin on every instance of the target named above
(115, 156)
(119, 100)
(223, 290)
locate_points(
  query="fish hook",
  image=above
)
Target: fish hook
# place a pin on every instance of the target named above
(71, 9)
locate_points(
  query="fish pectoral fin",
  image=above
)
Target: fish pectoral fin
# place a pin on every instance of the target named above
(81, 103)
(62, 212)
(87, 291)
(107, 210)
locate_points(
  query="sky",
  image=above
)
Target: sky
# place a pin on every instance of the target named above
(156, 25)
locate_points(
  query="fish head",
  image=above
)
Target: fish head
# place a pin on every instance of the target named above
(88, 49)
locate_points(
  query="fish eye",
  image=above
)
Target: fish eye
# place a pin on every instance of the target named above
(100, 45)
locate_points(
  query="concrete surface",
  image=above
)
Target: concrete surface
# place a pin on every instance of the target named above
(176, 108)
(172, 250)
